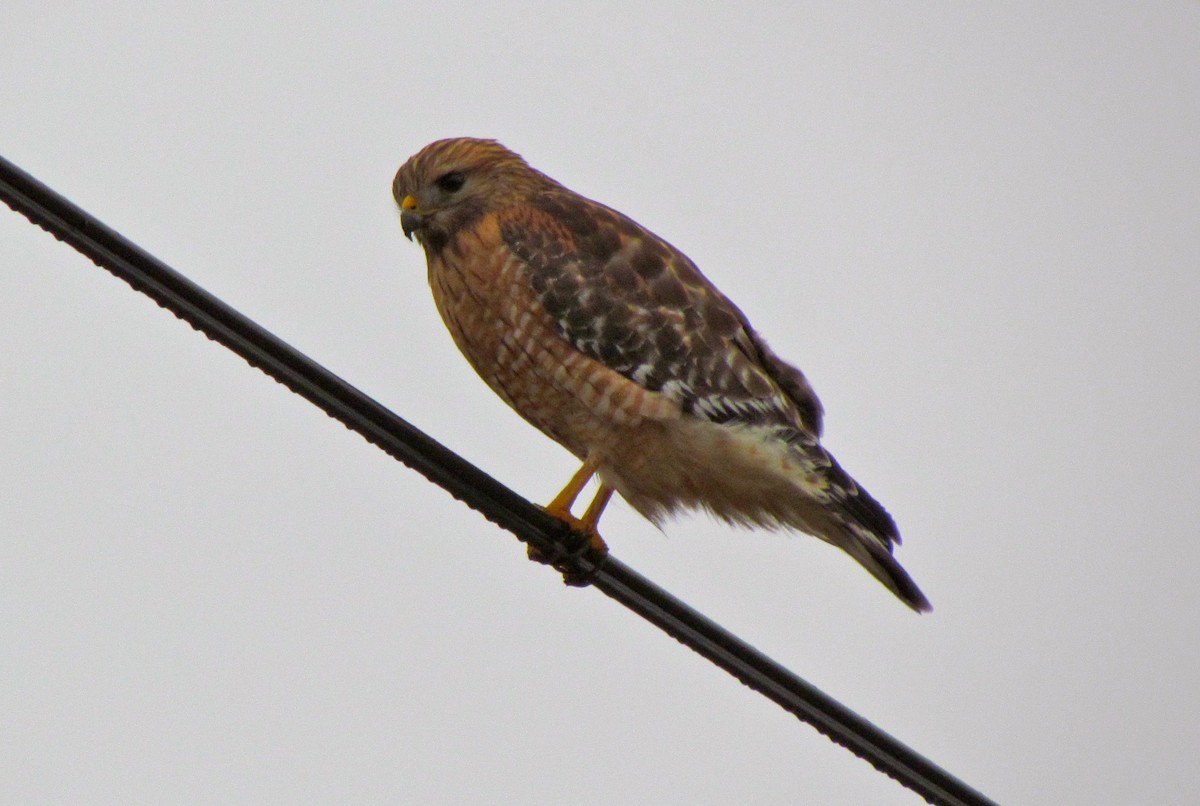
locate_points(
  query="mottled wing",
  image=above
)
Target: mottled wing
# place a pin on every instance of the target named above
(631, 301)
(628, 299)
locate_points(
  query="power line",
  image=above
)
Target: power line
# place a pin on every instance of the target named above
(549, 536)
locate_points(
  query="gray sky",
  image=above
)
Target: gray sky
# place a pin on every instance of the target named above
(974, 227)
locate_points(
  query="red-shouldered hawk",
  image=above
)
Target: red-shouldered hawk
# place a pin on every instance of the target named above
(612, 343)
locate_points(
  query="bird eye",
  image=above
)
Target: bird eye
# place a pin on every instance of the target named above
(451, 182)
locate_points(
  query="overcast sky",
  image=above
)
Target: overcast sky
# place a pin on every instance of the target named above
(975, 227)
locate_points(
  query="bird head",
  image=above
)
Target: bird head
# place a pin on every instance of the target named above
(448, 185)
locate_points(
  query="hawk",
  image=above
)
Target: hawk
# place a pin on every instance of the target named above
(612, 343)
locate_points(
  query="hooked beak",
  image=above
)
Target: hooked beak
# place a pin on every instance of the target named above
(410, 219)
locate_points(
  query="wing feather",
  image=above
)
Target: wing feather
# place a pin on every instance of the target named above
(623, 296)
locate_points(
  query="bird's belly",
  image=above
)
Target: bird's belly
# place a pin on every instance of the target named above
(513, 344)
(738, 474)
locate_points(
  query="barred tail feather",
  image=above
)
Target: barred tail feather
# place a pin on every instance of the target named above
(775, 477)
(868, 534)
(872, 556)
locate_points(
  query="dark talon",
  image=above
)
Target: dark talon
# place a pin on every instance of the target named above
(567, 554)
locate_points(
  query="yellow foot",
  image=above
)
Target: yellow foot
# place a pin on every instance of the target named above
(583, 542)
(594, 543)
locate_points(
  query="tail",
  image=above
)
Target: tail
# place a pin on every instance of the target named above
(868, 534)
(829, 504)
(872, 555)
(773, 476)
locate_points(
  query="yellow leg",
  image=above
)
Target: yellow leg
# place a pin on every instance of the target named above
(560, 507)
(595, 509)
(595, 547)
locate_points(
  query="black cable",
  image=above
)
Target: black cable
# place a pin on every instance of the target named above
(547, 535)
